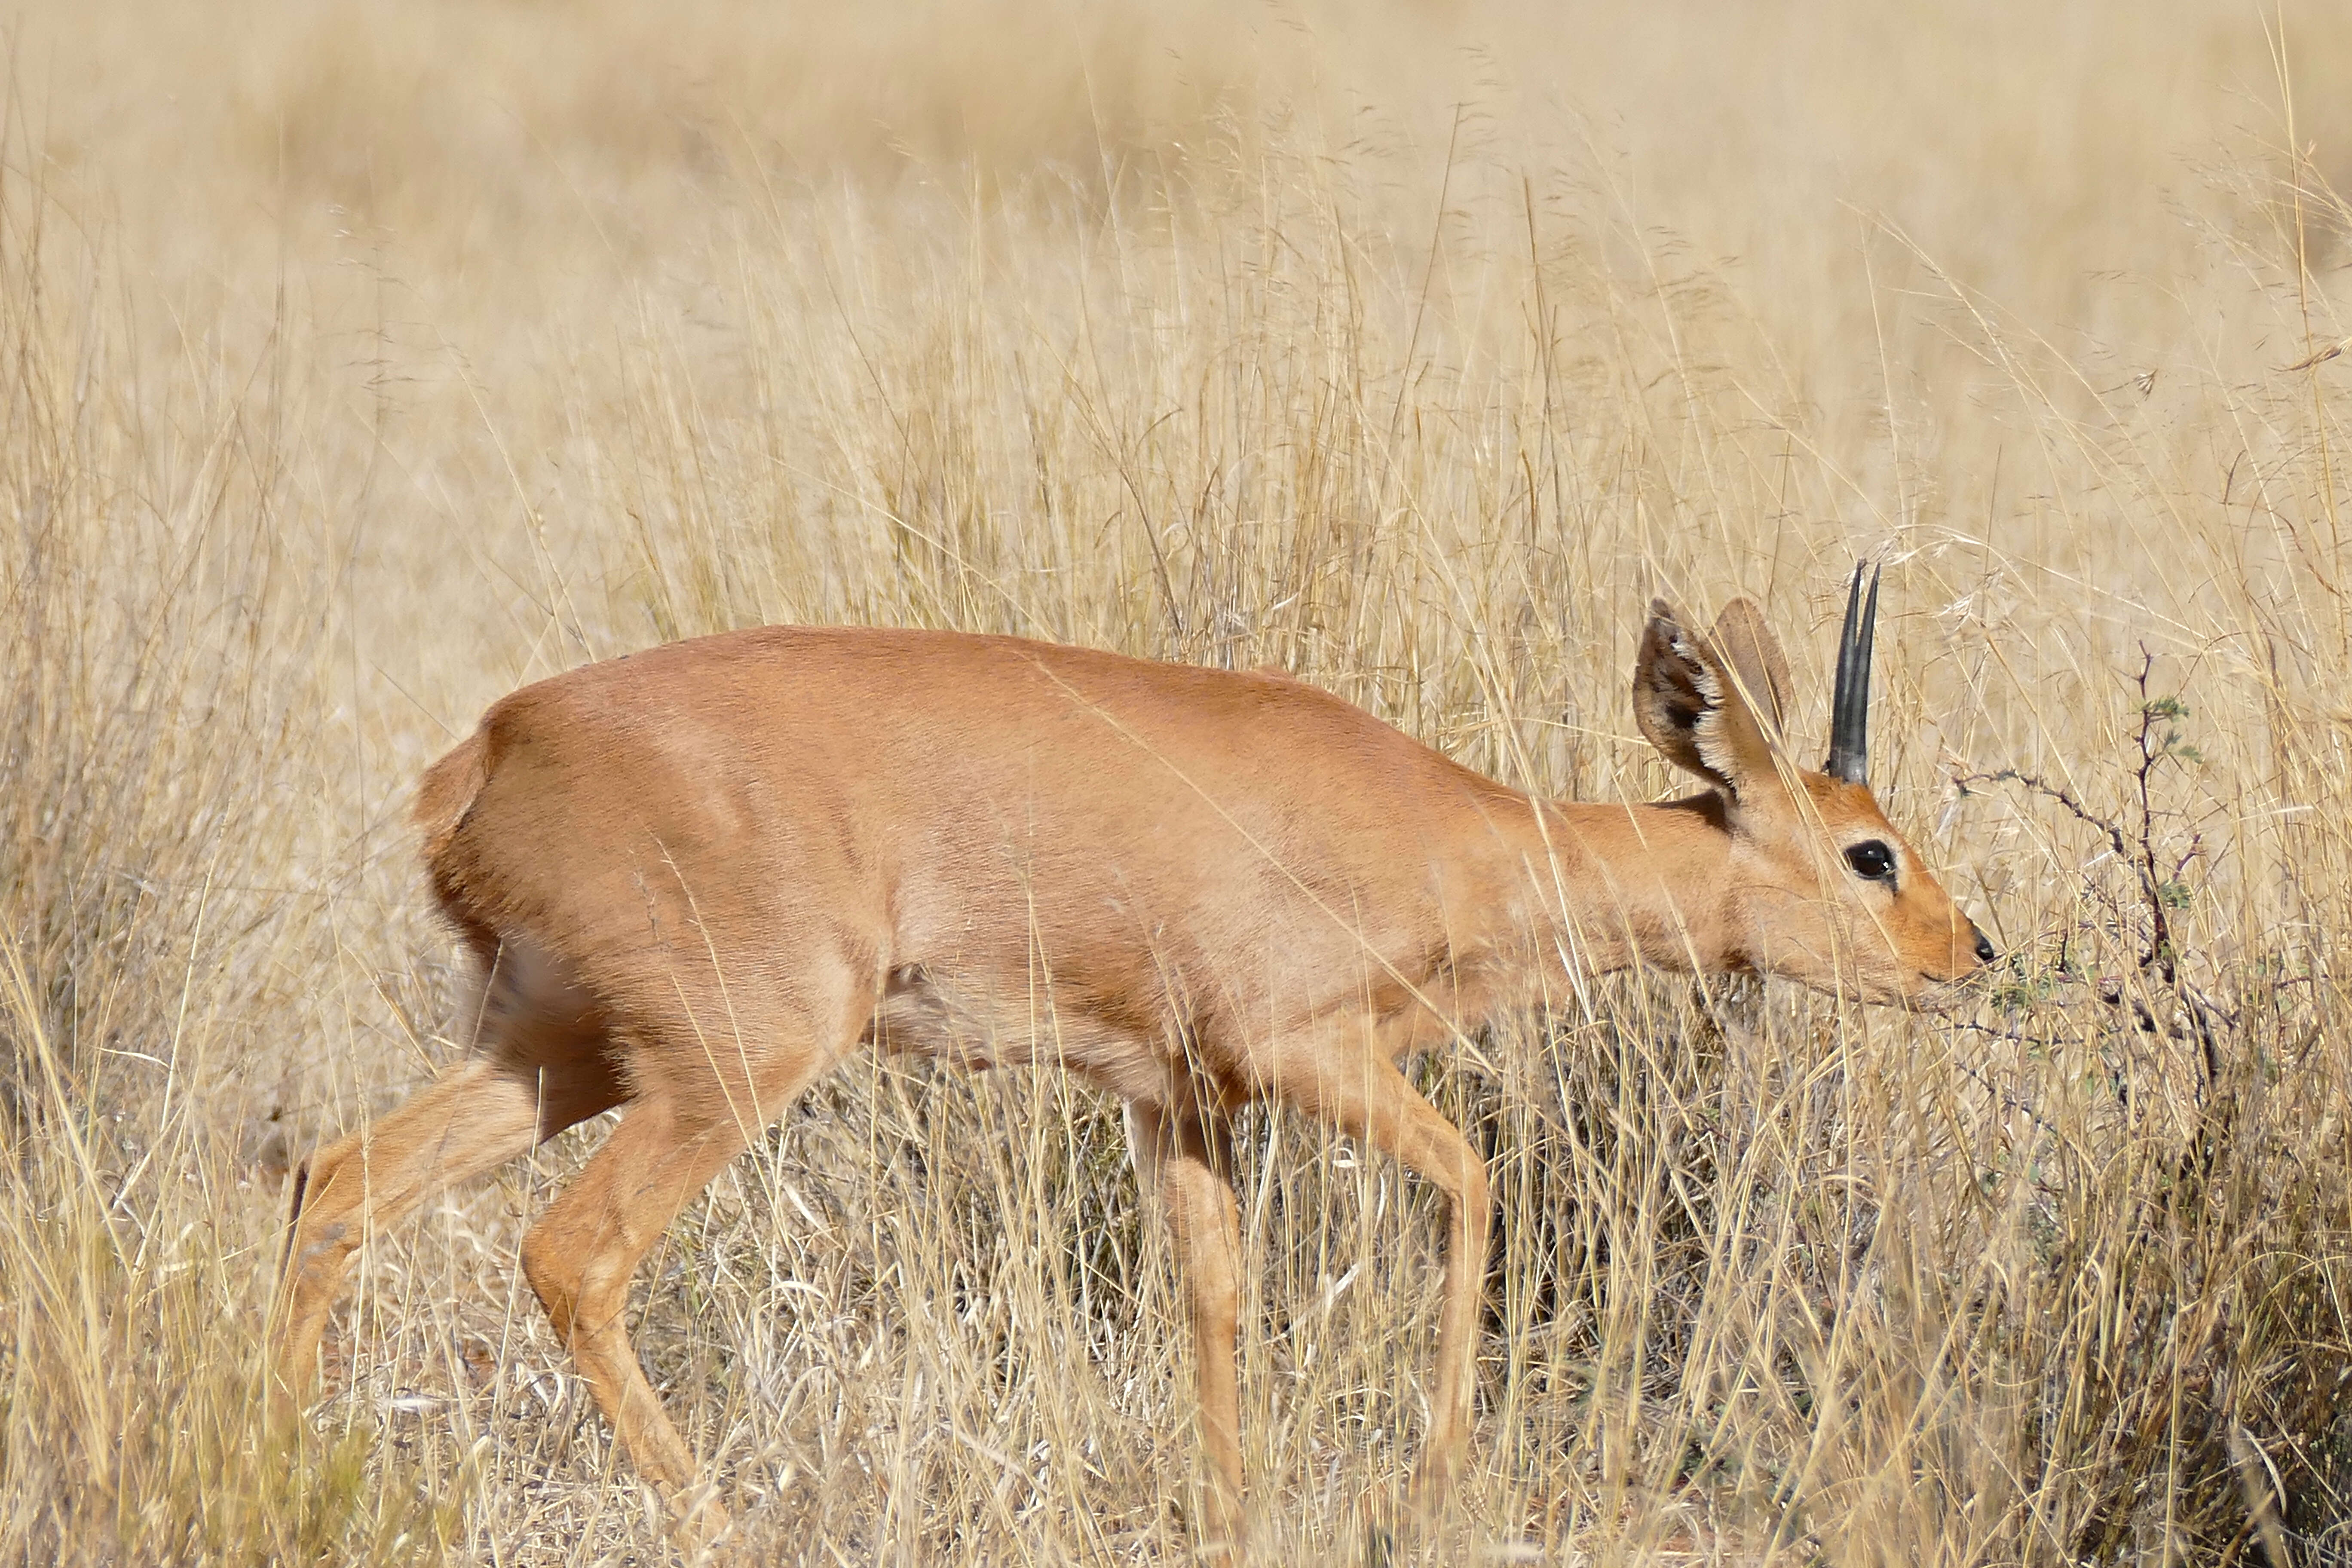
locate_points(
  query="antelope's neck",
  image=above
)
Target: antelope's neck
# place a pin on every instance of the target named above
(1621, 884)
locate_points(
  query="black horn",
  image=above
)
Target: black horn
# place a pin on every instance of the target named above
(1849, 706)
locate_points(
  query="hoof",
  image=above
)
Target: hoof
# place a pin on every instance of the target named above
(699, 1517)
(1219, 1538)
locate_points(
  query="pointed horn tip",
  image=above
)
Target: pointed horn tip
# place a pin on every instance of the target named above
(1850, 704)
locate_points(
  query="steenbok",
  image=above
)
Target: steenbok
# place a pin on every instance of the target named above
(698, 877)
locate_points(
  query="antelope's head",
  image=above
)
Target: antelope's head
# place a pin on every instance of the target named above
(1819, 888)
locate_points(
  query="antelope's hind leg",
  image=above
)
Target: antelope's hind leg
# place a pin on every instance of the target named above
(699, 1101)
(581, 1255)
(547, 1064)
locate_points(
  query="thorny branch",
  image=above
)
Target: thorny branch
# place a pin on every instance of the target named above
(2157, 872)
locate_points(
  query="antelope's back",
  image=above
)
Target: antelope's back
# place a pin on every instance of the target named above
(765, 800)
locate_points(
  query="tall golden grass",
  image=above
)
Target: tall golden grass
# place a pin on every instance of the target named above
(364, 361)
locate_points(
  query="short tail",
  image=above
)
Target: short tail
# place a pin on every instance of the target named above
(293, 1222)
(447, 792)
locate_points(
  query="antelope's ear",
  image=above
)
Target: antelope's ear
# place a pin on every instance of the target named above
(1753, 654)
(1690, 705)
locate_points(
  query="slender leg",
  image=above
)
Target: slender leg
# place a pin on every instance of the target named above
(546, 1064)
(1186, 1160)
(476, 1118)
(580, 1258)
(1367, 1098)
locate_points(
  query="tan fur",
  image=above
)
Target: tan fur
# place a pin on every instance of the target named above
(698, 877)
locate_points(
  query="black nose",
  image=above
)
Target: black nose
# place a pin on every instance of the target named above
(1985, 953)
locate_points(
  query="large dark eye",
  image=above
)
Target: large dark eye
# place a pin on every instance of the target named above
(1872, 861)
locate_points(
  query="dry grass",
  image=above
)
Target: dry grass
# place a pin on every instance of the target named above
(364, 361)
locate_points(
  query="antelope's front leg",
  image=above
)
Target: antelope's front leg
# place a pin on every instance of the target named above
(1370, 1100)
(1186, 1160)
